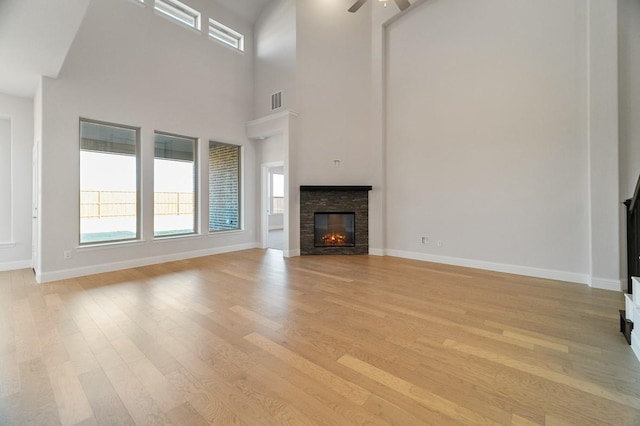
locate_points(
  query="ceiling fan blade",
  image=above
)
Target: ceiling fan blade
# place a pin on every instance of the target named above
(357, 5)
(403, 4)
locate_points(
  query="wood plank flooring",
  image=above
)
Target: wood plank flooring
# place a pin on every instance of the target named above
(250, 338)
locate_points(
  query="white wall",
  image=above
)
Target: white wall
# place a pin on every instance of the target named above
(603, 143)
(334, 93)
(333, 87)
(486, 143)
(16, 252)
(132, 66)
(275, 56)
(629, 60)
(272, 149)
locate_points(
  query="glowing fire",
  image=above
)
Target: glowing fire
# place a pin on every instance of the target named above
(334, 239)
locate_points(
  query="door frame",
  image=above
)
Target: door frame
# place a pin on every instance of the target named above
(265, 198)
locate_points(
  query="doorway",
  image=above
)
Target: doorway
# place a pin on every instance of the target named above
(273, 224)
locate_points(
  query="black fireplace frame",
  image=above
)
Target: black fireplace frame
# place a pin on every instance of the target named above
(315, 228)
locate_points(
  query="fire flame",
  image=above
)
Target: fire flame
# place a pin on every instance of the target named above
(334, 239)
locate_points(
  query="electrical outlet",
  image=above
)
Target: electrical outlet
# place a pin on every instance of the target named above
(67, 254)
(440, 243)
(425, 241)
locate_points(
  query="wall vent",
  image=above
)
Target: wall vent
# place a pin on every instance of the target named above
(276, 100)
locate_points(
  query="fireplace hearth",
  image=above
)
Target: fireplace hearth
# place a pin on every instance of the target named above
(334, 220)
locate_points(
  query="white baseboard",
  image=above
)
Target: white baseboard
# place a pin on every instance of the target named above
(606, 284)
(291, 253)
(20, 264)
(497, 267)
(135, 263)
(376, 252)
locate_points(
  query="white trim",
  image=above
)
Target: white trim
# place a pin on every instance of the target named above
(8, 244)
(291, 253)
(635, 344)
(108, 244)
(376, 252)
(11, 266)
(226, 35)
(491, 266)
(270, 125)
(177, 11)
(271, 117)
(135, 263)
(606, 284)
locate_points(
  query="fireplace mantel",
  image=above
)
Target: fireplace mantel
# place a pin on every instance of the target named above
(307, 188)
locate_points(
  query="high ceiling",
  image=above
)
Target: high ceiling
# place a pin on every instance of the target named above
(35, 36)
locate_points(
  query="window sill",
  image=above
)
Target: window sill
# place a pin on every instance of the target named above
(221, 233)
(98, 246)
(169, 238)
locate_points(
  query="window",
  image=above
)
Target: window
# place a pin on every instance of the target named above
(5, 181)
(224, 187)
(180, 12)
(109, 182)
(174, 177)
(226, 35)
(277, 193)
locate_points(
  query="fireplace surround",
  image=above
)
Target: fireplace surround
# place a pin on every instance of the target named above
(334, 219)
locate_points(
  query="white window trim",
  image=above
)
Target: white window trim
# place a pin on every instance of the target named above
(241, 192)
(138, 237)
(175, 10)
(196, 191)
(226, 35)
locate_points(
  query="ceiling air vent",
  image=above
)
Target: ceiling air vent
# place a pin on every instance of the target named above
(276, 100)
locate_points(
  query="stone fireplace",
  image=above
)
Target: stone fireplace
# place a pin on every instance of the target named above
(334, 219)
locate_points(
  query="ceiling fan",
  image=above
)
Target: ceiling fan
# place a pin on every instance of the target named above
(402, 4)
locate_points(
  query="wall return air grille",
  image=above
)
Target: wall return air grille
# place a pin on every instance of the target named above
(276, 100)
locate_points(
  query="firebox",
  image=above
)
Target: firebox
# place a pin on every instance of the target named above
(334, 229)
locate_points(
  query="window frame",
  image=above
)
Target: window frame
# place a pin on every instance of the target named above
(196, 191)
(138, 157)
(239, 195)
(223, 34)
(179, 8)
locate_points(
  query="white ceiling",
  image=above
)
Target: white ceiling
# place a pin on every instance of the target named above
(35, 36)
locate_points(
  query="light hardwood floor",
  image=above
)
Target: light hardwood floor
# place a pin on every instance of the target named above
(251, 338)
